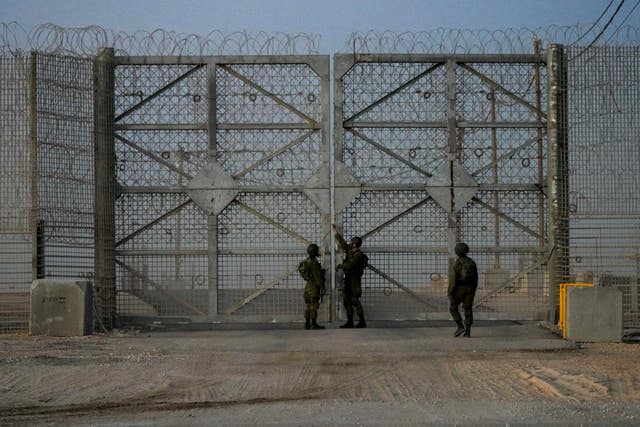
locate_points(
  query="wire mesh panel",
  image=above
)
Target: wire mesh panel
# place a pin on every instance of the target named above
(604, 166)
(65, 169)
(15, 193)
(214, 161)
(445, 149)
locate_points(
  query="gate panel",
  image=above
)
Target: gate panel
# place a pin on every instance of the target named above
(222, 167)
(445, 149)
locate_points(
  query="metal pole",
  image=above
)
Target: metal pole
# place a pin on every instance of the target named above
(539, 153)
(494, 168)
(339, 71)
(557, 159)
(34, 230)
(212, 221)
(178, 260)
(105, 186)
(451, 125)
(326, 161)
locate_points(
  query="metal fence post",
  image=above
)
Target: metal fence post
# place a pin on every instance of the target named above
(105, 187)
(33, 165)
(212, 219)
(558, 177)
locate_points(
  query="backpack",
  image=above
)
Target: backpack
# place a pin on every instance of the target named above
(465, 272)
(302, 269)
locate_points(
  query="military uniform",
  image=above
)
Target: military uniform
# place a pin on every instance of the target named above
(353, 266)
(314, 289)
(463, 282)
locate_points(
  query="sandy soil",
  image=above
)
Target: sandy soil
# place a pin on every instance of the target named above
(505, 373)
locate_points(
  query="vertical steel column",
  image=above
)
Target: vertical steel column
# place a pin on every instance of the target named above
(326, 161)
(558, 179)
(105, 186)
(451, 126)
(339, 71)
(212, 220)
(178, 258)
(494, 168)
(34, 229)
(539, 148)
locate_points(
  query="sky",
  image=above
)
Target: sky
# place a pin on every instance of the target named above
(333, 20)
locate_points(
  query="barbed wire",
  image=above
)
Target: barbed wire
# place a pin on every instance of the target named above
(507, 41)
(85, 41)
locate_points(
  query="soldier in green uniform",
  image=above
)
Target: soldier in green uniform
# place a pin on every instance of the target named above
(463, 282)
(314, 290)
(353, 266)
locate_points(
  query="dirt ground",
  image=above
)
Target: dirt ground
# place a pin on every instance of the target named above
(506, 373)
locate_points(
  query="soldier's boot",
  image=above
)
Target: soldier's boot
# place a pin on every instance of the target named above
(315, 325)
(361, 322)
(349, 323)
(467, 331)
(460, 330)
(307, 324)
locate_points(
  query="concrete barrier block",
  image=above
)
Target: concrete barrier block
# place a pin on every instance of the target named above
(61, 307)
(594, 314)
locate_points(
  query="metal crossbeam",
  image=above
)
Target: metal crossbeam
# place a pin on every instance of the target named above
(400, 285)
(404, 85)
(268, 94)
(395, 218)
(506, 155)
(159, 288)
(274, 154)
(153, 156)
(276, 224)
(509, 281)
(152, 223)
(390, 153)
(269, 285)
(502, 89)
(158, 92)
(508, 219)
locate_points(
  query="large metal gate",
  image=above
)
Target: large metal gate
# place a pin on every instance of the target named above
(223, 180)
(435, 149)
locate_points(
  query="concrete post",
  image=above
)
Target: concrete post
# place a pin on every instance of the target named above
(105, 186)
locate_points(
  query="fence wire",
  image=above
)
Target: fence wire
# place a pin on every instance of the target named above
(15, 193)
(46, 128)
(464, 41)
(85, 41)
(604, 166)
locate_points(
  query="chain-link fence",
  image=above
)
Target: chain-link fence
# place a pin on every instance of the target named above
(604, 169)
(189, 187)
(16, 239)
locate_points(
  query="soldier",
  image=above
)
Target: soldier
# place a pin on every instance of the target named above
(353, 266)
(314, 290)
(463, 282)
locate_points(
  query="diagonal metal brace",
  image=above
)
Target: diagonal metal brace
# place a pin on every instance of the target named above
(158, 93)
(270, 285)
(159, 288)
(401, 286)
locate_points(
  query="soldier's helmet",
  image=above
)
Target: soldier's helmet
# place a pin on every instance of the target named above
(461, 249)
(356, 241)
(313, 250)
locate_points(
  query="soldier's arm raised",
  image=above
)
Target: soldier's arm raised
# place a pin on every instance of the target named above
(341, 242)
